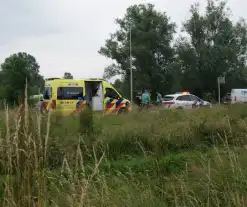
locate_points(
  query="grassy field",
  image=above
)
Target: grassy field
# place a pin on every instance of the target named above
(158, 158)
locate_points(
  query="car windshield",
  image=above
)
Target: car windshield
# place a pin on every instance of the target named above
(168, 98)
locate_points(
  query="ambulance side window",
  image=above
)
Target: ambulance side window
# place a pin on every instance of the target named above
(47, 93)
(111, 93)
(69, 93)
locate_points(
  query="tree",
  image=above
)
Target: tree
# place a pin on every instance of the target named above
(215, 47)
(151, 36)
(68, 75)
(118, 84)
(16, 69)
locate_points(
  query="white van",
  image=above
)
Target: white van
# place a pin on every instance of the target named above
(238, 96)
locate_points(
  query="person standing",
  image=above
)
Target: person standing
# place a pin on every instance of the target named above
(145, 99)
(159, 98)
(139, 98)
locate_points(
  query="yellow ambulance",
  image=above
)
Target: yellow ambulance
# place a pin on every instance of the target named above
(69, 96)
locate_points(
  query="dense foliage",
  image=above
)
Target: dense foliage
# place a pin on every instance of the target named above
(210, 45)
(17, 70)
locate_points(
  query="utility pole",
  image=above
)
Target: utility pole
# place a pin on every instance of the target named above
(219, 90)
(220, 80)
(131, 74)
(39, 93)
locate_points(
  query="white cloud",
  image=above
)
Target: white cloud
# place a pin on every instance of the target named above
(65, 35)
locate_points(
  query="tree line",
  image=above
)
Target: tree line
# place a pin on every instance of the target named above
(209, 45)
(17, 70)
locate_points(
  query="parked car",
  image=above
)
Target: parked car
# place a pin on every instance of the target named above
(184, 100)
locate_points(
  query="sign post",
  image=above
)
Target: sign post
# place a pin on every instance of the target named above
(131, 71)
(220, 80)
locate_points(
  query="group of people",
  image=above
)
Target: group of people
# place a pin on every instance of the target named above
(144, 98)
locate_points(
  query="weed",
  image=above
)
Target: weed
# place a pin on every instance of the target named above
(154, 158)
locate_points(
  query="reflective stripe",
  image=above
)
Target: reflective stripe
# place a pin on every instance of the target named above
(110, 105)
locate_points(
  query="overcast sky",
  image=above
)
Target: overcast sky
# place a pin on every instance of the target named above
(65, 35)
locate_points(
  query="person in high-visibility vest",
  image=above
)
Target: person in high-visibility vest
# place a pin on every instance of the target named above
(145, 99)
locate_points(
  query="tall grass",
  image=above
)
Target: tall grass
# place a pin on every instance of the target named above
(155, 158)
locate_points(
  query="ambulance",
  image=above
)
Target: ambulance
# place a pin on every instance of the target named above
(69, 96)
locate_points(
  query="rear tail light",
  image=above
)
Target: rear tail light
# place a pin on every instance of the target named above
(235, 98)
